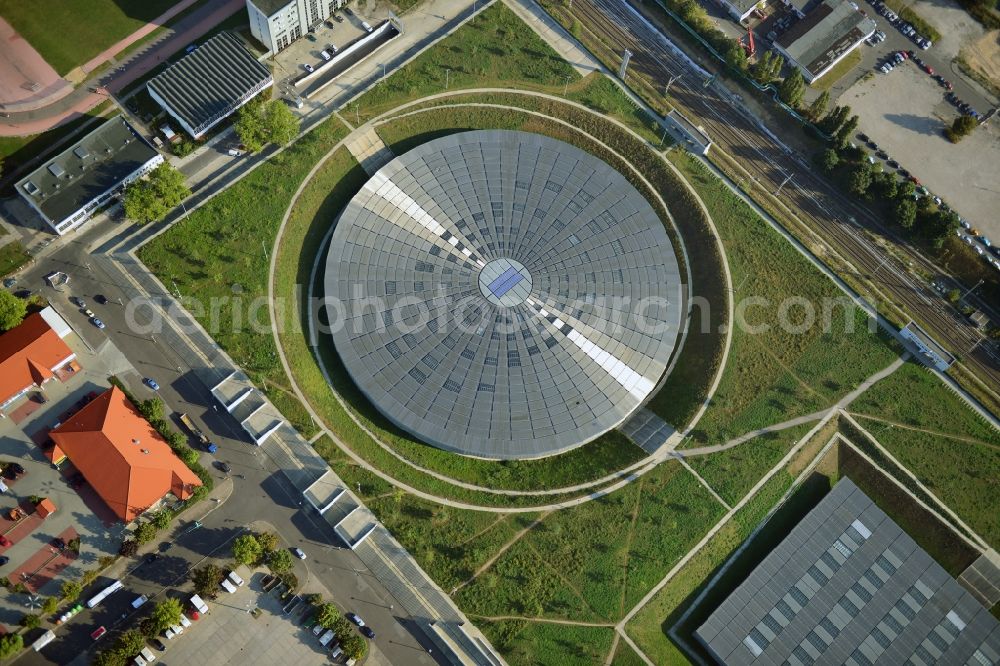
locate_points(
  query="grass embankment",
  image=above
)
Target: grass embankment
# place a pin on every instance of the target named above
(71, 32)
(934, 433)
(542, 643)
(800, 343)
(732, 473)
(218, 254)
(496, 50)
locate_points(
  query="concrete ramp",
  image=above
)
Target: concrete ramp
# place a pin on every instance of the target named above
(369, 151)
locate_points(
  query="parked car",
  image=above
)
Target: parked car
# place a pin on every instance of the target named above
(97, 322)
(332, 48)
(9, 282)
(985, 241)
(328, 23)
(368, 28)
(78, 302)
(324, 55)
(98, 633)
(224, 466)
(4, 560)
(368, 631)
(308, 68)
(101, 299)
(338, 18)
(298, 553)
(158, 644)
(151, 383)
(311, 37)
(893, 163)
(356, 619)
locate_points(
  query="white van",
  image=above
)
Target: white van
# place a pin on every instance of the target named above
(228, 587)
(235, 578)
(326, 638)
(139, 660)
(324, 55)
(148, 655)
(184, 621)
(368, 28)
(199, 604)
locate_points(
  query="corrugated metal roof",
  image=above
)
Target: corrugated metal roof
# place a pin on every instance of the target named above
(825, 34)
(210, 82)
(847, 585)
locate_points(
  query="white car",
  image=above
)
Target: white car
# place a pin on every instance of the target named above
(309, 68)
(324, 55)
(368, 28)
(298, 553)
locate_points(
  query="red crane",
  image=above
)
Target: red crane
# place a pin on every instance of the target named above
(749, 45)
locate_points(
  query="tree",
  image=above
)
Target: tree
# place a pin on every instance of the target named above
(207, 580)
(961, 128)
(954, 296)
(130, 642)
(249, 126)
(327, 616)
(843, 135)
(165, 614)
(268, 541)
(161, 519)
(71, 590)
(12, 310)
(833, 120)
(247, 550)
(128, 548)
(828, 160)
(904, 213)
(10, 644)
(145, 533)
(792, 88)
(110, 657)
(859, 178)
(767, 68)
(280, 561)
(735, 56)
(354, 646)
(50, 605)
(280, 123)
(151, 198)
(30, 621)
(884, 185)
(818, 107)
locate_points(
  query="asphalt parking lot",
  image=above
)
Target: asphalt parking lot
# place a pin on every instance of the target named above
(288, 64)
(905, 112)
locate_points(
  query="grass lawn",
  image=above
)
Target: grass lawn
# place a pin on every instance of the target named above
(949, 447)
(527, 643)
(594, 561)
(496, 50)
(71, 32)
(839, 70)
(218, 251)
(777, 371)
(626, 656)
(732, 473)
(12, 257)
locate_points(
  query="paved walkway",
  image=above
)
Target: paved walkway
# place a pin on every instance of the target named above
(26, 80)
(81, 100)
(368, 149)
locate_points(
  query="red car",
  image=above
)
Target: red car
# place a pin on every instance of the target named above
(929, 69)
(97, 633)
(4, 541)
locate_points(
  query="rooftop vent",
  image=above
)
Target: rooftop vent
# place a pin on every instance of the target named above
(146, 451)
(56, 170)
(31, 188)
(81, 152)
(135, 441)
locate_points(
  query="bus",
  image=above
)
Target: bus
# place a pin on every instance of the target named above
(105, 593)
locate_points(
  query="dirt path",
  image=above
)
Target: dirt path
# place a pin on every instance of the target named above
(544, 620)
(628, 544)
(897, 424)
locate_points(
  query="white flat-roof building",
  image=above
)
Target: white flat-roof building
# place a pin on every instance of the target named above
(278, 23)
(824, 37)
(71, 186)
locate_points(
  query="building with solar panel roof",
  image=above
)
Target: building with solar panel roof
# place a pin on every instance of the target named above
(503, 294)
(848, 586)
(204, 87)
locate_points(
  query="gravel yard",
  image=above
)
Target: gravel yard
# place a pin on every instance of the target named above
(905, 113)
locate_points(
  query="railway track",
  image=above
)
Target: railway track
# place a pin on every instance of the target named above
(835, 218)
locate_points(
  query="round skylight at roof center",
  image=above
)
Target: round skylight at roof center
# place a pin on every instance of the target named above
(502, 294)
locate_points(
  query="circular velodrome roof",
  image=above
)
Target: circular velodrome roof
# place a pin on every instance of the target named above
(503, 294)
